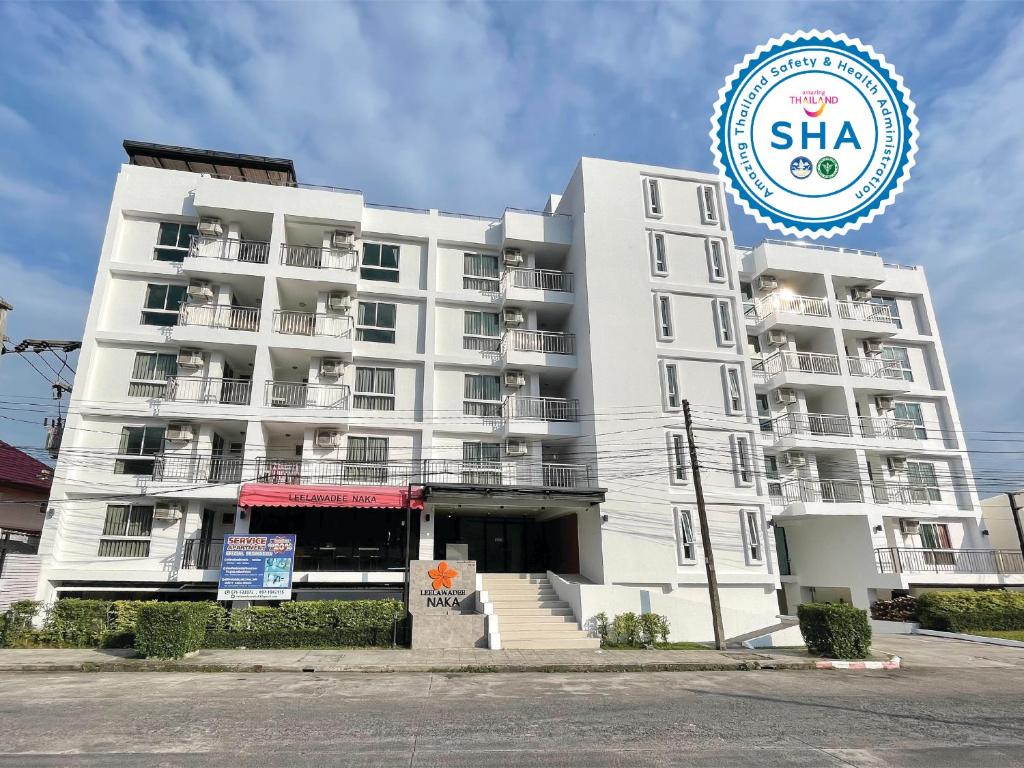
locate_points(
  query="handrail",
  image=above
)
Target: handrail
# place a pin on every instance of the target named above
(318, 257)
(297, 394)
(548, 342)
(202, 553)
(901, 493)
(925, 560)
(839, 424)
(193, 389)
(832, 491)
(220, 316)
(541, 279)
(311, 323)
(865, 311)
(282, 183)
(541, 408)
(549, 214)
(803, 362)
(229, 249)
(814, 246)
(874, 367)
(812, 306)
(212, 468)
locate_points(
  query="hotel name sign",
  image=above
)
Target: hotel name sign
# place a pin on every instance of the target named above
(440, 587)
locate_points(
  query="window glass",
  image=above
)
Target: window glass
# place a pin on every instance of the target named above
(376, 322)
(678, 456)
(665, 316)
(130, 526)
(724, 321)
(894, 308)
(481, 395)
(653, 198)
(150, 373)
(715, 255)
(735, 393)
(687, 544)
(660, 259)
(481, 272)
(162, 303)
(672, 385)
(380, 262)
(374, 389)
(922, 475)
(481, 331)
(173, 241)
(912, 412)
(743, 459)
(901, 357)
(753, 535)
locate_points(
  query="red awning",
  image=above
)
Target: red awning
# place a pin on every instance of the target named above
(373, 496)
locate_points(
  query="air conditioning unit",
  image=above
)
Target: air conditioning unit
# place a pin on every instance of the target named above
(873, 347)
(210, 226)
(179, 432)
(512, 316)
(331, 367)
(513, 257)
(777, 338)
(794, 459)
(515, 379)
(785, 397)
(328, 438)
(343, 239)
(897, 464)
(767, 283)
(516, 448)
(861, 293)
(200, 289)
(885, 402)
(166, 511)
(190, 358)
(339, 302)
(910, 527)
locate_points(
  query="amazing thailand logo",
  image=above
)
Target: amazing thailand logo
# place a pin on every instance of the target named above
(814, 134)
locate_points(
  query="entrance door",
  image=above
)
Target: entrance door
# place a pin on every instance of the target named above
(511, 544)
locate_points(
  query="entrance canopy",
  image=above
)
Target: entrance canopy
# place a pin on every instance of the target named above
(365, 496)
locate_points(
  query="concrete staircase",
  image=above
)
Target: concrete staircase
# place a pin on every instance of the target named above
(530, 615)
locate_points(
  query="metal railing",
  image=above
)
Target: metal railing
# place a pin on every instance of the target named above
(865, 311)
(336, 472)
(202, 553)
(829, 491)
(888, 429)
(220, 316)
(812, 306)
(208, 390)
(226, 468)
(903, 493)
(289, 394)
(841, 425)
(229, 249)
(814, 246)
(311, 323)
(549, 342)
(920, 560)
(875, 367)
(315, 257)
(541, 408)
(541, 279)
(803, 362)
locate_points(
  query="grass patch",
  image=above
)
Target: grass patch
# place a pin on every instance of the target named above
(1002, 634)
(657, 646)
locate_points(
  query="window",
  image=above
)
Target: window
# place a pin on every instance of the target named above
(481, 395)
(481, 331)
(716, 261)
(380, 262)
(659, 257)
(733, 389)
(375, 389)
(752, 535)
(376, 322)
(755, 343)
(708, 204)
(672, 398)
(481, 463)
(480, 272)
(723, 321)
(901, 357)
(665, 318)
(686, 545)
(921, 474)
(144, 442)
(764, 413)
(741, 456)
(677, 453)
(126, 531)
(771, 473)
(911, 412)
(162, 304)
(652, 193)
(936, 536)
(894, 308)
(173, 241)
(150, 374)
(368, 461)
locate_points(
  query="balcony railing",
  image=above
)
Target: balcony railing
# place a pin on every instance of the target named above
(875, 367)
(202, 553)
(829, 491)
(541, 279)
(198, 469)
(865, 311)
(812, 306)
(902, 493)
(220, 316)
(289, 394)
(208, 390)
(313, 257)
(312, 323)
(913, 560)
(541, 408)
(803, 362)
(841, 425)
(229, 249)
(336, 472)
(549, 342)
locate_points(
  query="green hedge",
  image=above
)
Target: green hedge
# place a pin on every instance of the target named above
(964, 611)
(836, 630)
(171, 630)
(292, 638)
(898, 609)
(16, 623)
(363, 622)
(628, 630)
(78, 623)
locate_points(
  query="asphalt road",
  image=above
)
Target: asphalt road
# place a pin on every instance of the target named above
(928, 717)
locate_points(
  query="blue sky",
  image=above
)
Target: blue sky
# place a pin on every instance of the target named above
(473, 107)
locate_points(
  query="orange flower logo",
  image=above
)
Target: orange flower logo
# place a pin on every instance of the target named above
(442, 575)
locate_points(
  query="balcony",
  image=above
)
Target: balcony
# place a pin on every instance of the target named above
(289, 394)
(208, 390)
(225, 468)
(312, 324)
(903, 493)
(796, 366)
(865, 312)
(841, 425)
(785, 303)
(875, 368)
(948, 561)
(336, 472)
(202, 553)
(229, 249)
(537, 287)
(541, 408)
(537, 349)
(313, 257)
(224, 316)
(828, 491)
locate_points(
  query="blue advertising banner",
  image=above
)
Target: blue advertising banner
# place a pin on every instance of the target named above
(257, 567)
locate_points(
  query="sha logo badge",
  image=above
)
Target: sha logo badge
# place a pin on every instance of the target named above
(814, 134)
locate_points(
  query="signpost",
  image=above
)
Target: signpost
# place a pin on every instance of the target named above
(257, 567)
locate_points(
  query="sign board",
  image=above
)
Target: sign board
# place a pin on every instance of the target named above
(442, 587)
(257, 567)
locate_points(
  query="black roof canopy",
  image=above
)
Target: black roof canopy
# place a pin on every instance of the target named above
(279, 171)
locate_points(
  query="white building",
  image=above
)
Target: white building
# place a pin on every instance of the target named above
(253, 338)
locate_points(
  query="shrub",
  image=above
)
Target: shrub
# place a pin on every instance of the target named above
(171, 630)
(77, 623)
(653, 627)
(600, 622)
(365, 622)
(626, 629)
(16, 622)
(964, 611)
(836, 630)
(287, 638)
(630, 630)
(122, 621)
(898, 609)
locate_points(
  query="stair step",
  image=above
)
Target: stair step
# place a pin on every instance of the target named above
(520, 590)
(527, 611)
(515, 621)
(504, 605)
(552, 644)
(541, 631)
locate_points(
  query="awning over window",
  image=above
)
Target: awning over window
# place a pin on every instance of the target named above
(372, 496)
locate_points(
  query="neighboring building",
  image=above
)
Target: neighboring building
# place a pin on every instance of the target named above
(1003, 532)
(24, 489)
(262, 356)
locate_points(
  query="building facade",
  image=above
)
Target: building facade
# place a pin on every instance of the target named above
(263, 356)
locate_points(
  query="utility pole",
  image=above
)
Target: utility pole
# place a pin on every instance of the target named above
(1015, 514)
(705, 534)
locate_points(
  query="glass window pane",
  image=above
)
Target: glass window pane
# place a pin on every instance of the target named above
(185, 235)
(367, 313)
(371, 254)
(131, 440)
(175, 295)
(156, 296)
(168, 234)
(389, 256)
(117, 520)
(152, 440)
(386, 315)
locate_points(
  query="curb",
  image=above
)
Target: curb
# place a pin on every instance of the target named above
(893, 663)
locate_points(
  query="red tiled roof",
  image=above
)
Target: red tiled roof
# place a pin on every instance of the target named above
(18, 468)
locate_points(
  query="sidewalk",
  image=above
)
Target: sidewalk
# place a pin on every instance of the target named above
(402, 660)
